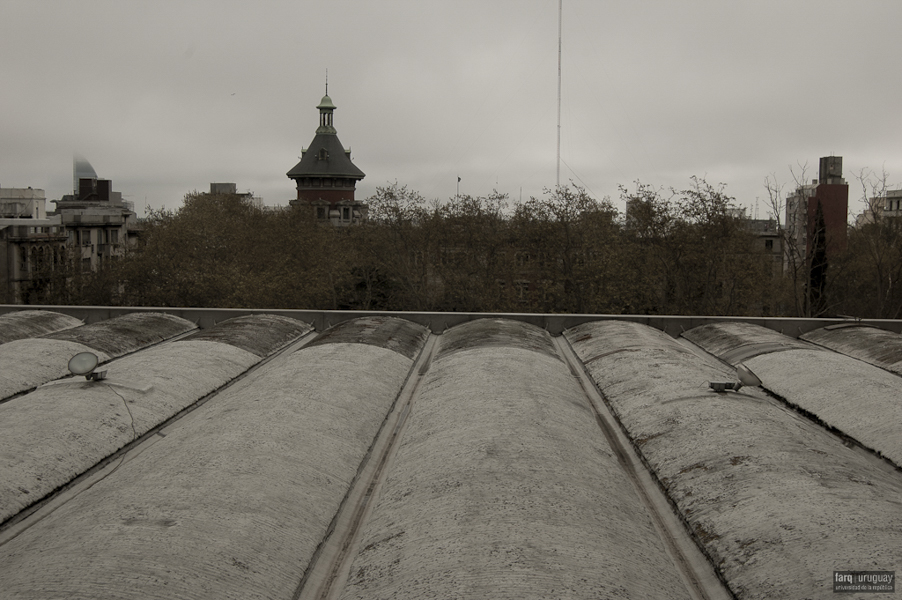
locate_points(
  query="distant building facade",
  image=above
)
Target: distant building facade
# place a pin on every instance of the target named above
(888, 206)
(99, 223)
(829, 191)
(325, 177)
(231, 189)
(31, 244)
(892, 205)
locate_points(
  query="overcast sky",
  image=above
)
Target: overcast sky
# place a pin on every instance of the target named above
(165, 97)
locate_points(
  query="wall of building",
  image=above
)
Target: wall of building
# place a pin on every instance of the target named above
(834, 201)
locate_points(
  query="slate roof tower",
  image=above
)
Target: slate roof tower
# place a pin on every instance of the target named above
(326, 178)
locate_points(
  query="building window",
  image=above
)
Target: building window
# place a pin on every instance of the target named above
(522, 288)
(501, 284)
(346, 213)
(114, 236)
(769, 245)
(320, 212)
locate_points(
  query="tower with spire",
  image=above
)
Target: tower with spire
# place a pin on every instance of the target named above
(325, 177)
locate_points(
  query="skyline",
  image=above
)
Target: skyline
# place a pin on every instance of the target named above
(164, 99)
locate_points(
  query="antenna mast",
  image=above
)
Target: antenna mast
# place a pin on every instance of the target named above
(327, 82)
(560, 11)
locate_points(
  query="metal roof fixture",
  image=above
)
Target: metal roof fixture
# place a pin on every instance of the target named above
(745, 375)
(84, 363)
(722, 386)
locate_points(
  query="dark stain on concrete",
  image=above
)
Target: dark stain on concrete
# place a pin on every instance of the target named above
(399, 335)
(33, 323)
(504, 333)
(258, 334)
(875, 346)
(125, 334)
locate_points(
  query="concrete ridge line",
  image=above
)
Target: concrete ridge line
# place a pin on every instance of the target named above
(697, 572)
(44, 507)
(329, 569)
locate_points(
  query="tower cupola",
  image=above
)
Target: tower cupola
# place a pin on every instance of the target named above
(325, 115)
(325, 177)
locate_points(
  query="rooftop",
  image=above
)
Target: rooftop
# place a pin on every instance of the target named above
(325, 156)
(301, 454)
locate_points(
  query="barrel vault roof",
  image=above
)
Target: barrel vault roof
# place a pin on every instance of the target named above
(288, 454)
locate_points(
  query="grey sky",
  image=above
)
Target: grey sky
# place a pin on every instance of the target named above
(165, 97)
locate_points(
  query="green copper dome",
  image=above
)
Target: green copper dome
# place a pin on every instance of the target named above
(326, 103)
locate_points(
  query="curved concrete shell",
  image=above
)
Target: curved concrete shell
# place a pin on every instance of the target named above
(504, 487)
(27, 363)
(126, 333)
(236, 498)
(58, 431)
(776, 502)
(394, 334)
(258, 334)
(380, 461)
(878, 347)
(817, 380)
(33, 323)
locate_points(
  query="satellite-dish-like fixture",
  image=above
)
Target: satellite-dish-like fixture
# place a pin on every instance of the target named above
(745, 375)
(84, 363)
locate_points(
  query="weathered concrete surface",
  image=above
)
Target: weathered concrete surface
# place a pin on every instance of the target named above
(127, 333)
(504, 487)
(58, 431)
(259, 334)
(439, 321)
(33, 323)
(27, 363)
(736, 342)
(398, 335)
(776, 501)
(232, 502)
(878, 347)
(504, 333)
(861, 400)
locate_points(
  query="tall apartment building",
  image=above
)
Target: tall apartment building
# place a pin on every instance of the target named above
(829, 191)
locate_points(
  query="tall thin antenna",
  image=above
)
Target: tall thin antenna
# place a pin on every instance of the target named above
(560, 12)
(327, 82)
